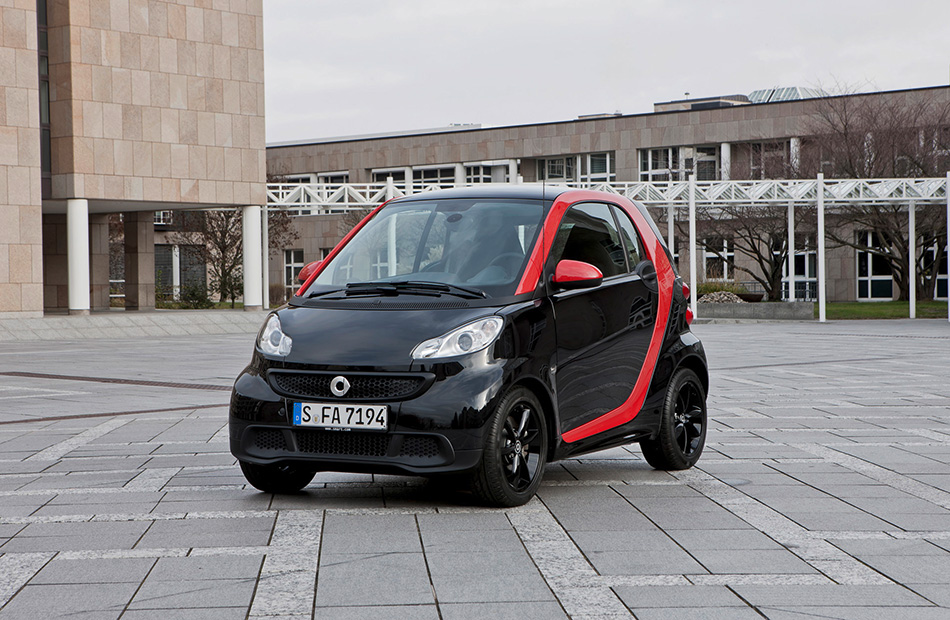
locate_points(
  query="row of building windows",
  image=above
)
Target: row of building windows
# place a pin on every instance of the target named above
(757, 160)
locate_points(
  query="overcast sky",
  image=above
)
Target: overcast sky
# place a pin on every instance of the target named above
(344, 67)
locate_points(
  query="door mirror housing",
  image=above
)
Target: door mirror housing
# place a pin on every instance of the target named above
(647, 272)
(308, 270)
(574, 274)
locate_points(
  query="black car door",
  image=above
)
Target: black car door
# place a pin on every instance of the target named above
(602, 332)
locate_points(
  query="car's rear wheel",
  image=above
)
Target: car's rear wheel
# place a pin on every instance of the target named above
(682, 433)
(515, 451)
(277, 478)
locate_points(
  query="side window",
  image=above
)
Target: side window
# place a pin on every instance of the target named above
(588, 233)
(631, 239)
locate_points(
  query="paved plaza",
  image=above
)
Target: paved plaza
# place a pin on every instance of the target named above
(824, 492)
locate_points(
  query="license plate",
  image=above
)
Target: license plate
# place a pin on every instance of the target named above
(337, 415)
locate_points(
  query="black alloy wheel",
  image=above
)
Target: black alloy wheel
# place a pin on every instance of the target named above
(515, 451)
(682, 433)
(277, 478)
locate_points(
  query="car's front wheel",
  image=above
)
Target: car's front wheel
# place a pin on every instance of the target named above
(515, 451)
(277, 478)
(682, 433)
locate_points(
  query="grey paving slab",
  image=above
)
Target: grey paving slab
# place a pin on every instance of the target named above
(380, 612)
(74, 536)
(89, 571)
(200, 568)
(396, 579)
(208, 533)
(216, 593)
(85, 601)
(670, 597)
(534, 610)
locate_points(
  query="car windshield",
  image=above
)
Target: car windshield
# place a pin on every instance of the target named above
(470, 247)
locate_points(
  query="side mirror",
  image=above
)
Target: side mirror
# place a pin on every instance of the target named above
(308, 270)
(573, 274)
(647, 272)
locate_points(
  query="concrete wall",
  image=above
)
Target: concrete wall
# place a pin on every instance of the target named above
(21, 256)
(157, 100)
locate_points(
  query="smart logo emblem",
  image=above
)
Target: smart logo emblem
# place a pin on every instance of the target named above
(339, 386)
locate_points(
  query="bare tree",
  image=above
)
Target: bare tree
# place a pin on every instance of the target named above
(217, 238)
(902, 135)
(758, 233)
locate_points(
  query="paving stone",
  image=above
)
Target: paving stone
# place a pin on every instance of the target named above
(373, 579)
(198, 568)
(379, 612)
(240, 532)
(85, 601)
(114, 570)
(156, 594)
(669, 597)
(535, 610)
(828, 596)
(72, 536)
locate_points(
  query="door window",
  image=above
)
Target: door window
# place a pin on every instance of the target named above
(588, 233)
(631, 240)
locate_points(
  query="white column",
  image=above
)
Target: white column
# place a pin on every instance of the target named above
(390, 188)
(391, 260)
(410, 184)
(725, 161)
(265, 258)
(460, 175)
(77, 254)
(693, 295)
(670, 216)
(513, 171)
(791, 251)
(795, 153)
(912, 258)
(176, 272)
(822, 297)
(252, 257)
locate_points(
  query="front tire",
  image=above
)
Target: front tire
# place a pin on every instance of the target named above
(515, 451)
(277, 478)
(682, 433)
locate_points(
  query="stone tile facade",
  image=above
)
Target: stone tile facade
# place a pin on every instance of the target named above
(155, 100)
(21, 254)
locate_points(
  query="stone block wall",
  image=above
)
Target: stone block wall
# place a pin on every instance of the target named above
(21, 253)
(157, 100)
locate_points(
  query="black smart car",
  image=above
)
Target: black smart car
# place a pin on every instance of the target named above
(477, 333)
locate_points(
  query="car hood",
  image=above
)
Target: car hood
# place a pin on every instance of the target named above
(367, 338)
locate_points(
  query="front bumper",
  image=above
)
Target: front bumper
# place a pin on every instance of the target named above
(438, 429)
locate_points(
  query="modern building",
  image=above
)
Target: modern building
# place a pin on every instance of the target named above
(768, 134)
(121, 106)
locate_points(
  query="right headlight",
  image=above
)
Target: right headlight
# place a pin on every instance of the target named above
(468, 338)
(273, 340)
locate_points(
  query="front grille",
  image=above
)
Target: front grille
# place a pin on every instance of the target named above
(420, 447)
(269, 440)
(342, 443)
(362, 387)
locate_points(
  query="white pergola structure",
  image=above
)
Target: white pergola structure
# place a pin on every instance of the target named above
(316, 198)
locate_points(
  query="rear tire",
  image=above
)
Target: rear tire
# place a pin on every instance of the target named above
(515, 451)
(277, 478)
(682, 433)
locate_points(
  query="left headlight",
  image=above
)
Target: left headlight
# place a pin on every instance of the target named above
(468, 338)
(273, 340)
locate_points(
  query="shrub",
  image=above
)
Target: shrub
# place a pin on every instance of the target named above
(711, 286)
(194, 295)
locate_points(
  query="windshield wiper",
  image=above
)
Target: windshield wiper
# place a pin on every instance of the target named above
(415, 287)
(322, 293)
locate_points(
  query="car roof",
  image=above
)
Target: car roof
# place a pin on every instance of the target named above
(535, 191)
